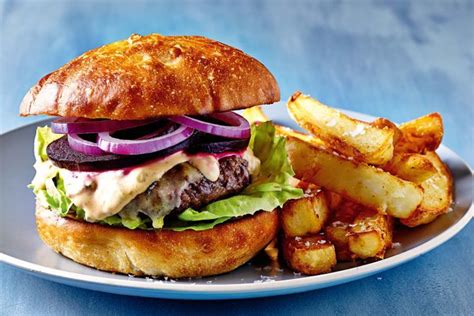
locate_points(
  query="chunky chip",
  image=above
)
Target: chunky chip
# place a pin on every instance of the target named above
(306, 215)
(345, 135)
(255, 114)
(358, 232)
(367, 185)
(338, 229)
(370, 234)
(421, 134)
(383, 123)
(309, 254)
(411, 167)
(437, 197)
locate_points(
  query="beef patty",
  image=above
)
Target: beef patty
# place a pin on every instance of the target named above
(184, 186)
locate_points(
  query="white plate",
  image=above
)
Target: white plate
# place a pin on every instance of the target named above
(21, 247)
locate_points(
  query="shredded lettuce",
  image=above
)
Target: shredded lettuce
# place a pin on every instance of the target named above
(269, 189)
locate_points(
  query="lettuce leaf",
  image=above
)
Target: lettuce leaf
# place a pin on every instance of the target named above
(179, 226)
(48, 187)
(269, 189)
(44, 136)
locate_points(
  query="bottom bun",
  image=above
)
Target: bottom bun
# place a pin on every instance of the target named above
(158, 253)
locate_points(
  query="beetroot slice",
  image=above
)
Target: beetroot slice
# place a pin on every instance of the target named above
(207, 143)
(65, 157)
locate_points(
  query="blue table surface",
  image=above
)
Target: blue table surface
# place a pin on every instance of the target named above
(397, 59)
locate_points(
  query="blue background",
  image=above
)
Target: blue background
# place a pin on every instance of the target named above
(396, 59)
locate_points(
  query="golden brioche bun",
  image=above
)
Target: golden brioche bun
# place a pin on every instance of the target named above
(150, 76)
(158, 253)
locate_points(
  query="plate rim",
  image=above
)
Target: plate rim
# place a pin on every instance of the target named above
(331, 278)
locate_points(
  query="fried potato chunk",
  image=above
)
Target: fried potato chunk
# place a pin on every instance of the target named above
(437, 197)
(255, 114)
(370, 234)
(385, 123)
(309, 254)
(311, 139)
(306, 215)
(358, 232)
(364, 184)
(411, 167)
(338, 229)
(421, 134)
(345, 135)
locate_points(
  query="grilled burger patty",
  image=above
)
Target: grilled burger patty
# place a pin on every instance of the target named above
(184, 186)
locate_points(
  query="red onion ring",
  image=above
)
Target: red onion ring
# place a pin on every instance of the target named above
(84, 146)
(73, 125)
(118, 146)
(239, 128)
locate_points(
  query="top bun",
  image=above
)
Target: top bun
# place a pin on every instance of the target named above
(151, 76)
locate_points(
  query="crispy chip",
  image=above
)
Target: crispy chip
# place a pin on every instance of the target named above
(306, 215)
(422, 134)
(255, 114)
(411, 167)
(309, 254)
(367, 185)
(370, 234)
(437, 196)
(343, 134)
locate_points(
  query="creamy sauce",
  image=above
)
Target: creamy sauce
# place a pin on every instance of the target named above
(168, 189)
(103, 194)
(254, 162)
(208, 165)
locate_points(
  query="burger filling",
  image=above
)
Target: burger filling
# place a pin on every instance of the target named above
(179, 191)
(185, 187)
(157, 188)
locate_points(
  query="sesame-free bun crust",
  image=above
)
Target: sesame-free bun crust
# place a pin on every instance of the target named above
(151, 76)
(158, 253)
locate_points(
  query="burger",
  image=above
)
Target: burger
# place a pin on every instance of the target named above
(146, 170)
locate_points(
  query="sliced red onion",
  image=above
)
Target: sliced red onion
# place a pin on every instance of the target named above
(239, 127)
(73, 125)
(118, 146)
(84, 146)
